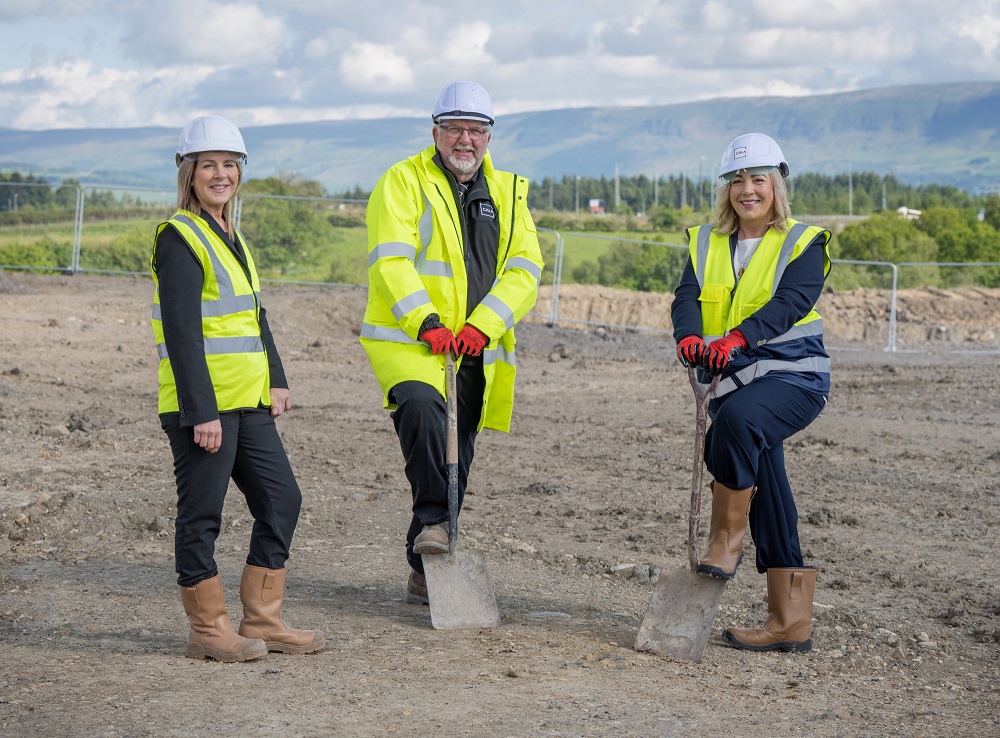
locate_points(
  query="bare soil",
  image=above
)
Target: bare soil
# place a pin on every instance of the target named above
(576, 511)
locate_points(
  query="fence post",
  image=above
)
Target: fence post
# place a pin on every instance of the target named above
(74, 261)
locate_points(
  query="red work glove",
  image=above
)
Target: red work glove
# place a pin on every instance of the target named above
(440, 339)
(720, 351)
(690, 350)
(470, 340)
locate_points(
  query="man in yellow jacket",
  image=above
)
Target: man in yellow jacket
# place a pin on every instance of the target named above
(453, 265)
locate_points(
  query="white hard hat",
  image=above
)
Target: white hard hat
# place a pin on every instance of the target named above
(753, 151)
(210, 133)
(463, 100)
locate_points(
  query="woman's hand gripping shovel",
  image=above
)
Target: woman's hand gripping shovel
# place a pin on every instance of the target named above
(458, 583)
(680, 615)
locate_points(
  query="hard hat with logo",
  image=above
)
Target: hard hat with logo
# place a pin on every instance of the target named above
(463, 100)
(755, 153)
(210, 133)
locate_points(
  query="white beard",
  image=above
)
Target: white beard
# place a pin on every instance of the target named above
(463, 165)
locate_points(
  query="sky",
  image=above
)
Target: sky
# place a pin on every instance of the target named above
(135, 63)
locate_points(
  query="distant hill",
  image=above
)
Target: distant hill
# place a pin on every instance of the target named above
(942, 133)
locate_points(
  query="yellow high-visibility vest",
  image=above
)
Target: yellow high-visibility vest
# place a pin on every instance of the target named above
(230, 319)
(724, 303)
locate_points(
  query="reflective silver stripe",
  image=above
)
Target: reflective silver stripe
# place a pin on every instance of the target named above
(785, 255)
(495, 304)
(383, 333)
(425, 225)
(235, 304)
(226, 345)
(500, 354)
(228, 303)
(156, 312)
(519, 262)
(704, 235)
(392, 248)
(820, 364)
(428, 268)
(234, 345)
(411, 301)
(812, 328)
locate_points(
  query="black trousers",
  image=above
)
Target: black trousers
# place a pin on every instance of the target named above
(744, 447)
(420, 420)
(253, 456)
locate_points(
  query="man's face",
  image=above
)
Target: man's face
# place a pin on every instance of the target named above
(462, 144)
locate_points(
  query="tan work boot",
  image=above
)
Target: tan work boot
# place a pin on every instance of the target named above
(730, 508)
(416, 589)
(433, 539)
(261, 591)
(788, 627)
(211, 635)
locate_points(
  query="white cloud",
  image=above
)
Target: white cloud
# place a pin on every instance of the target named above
(375, 68)
(108, 63)
(194, 31)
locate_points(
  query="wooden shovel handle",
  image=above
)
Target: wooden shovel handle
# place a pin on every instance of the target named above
(451, 451)
(702, 398)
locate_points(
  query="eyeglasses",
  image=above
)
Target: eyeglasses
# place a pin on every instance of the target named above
(455, 132)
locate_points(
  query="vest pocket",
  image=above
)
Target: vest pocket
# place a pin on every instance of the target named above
(715, 301)
(746, 311)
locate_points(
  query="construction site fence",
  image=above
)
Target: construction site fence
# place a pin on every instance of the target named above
(651, 266)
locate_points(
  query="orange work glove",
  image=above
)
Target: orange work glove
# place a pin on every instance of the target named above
(721, 351)
(470, 340)
(440, 339)
(690, 349)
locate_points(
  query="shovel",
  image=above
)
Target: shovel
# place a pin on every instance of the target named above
(459, 587)
(680, 615)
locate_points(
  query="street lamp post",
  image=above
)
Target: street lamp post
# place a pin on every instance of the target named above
(578, 193)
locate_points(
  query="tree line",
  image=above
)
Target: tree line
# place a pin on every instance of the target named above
(292, 224)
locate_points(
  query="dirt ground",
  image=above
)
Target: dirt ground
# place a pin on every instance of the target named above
(576, 511)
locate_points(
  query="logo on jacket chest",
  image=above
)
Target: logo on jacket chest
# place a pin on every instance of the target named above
(486, 210)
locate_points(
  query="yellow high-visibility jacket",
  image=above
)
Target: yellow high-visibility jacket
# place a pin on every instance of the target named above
(230, 318)
(416, 267)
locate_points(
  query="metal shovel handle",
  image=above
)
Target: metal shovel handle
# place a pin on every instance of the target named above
(702, 398)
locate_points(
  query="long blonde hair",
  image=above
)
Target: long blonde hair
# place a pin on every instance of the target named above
(187, 200)
(727, 220)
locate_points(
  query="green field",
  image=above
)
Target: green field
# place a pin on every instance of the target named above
(311, 242)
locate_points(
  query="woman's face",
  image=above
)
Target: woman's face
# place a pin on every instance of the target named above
(752, 197)
(216, 177)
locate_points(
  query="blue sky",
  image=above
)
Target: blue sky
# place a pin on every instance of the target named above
(118, 64)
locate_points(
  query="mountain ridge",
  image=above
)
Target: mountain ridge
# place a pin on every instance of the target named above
(938, 133)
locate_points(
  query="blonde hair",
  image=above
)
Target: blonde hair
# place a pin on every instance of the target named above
(727, 220)
(187, 200)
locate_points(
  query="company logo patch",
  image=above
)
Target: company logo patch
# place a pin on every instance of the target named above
(486, 210)
(740, 152)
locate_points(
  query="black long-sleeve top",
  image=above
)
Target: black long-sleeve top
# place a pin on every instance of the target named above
(180, 280)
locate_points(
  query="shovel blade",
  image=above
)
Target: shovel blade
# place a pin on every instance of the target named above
(460, 591)
(680, 615)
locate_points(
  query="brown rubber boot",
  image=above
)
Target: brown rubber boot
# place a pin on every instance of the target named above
(789, 614)
(212, 635)
(261, 591)
(416, 589)
(730, 508)
(433, 539)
